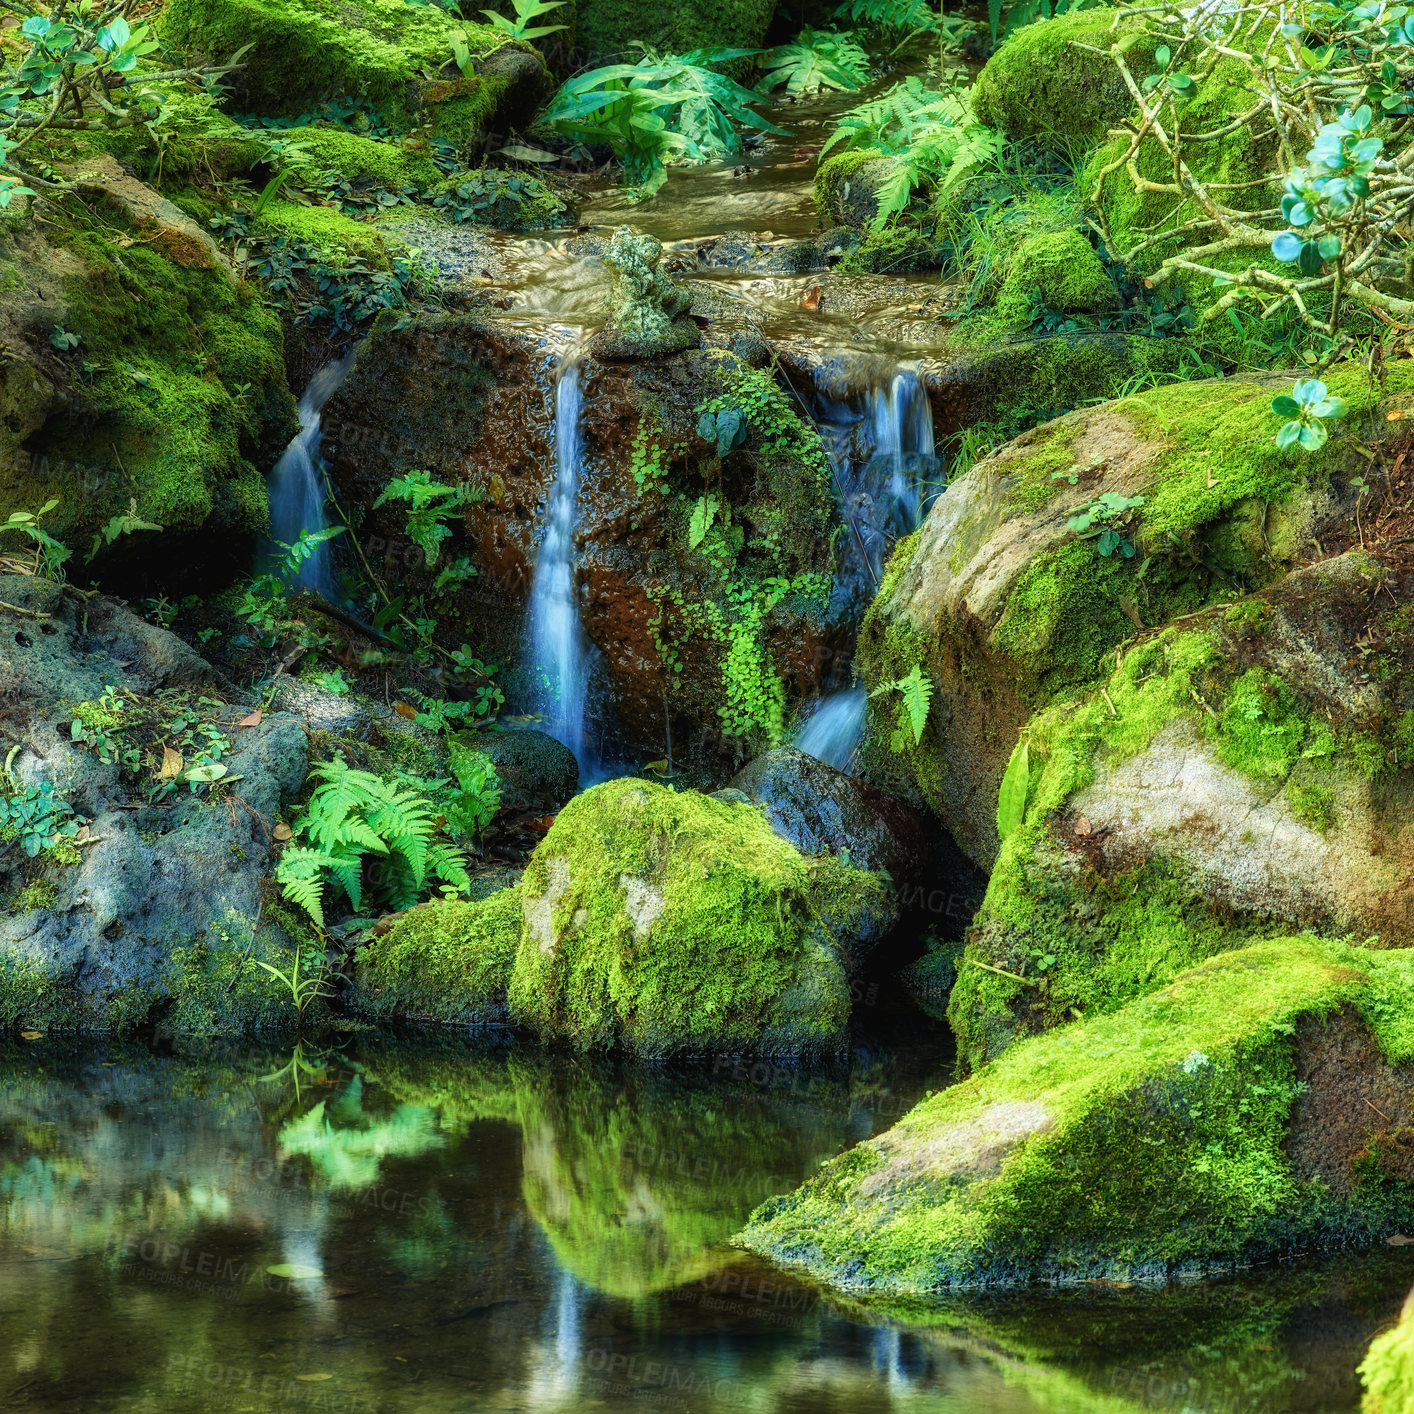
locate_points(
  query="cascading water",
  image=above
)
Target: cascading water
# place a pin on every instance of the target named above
(560, 652)
(296, 486)
(884, 463)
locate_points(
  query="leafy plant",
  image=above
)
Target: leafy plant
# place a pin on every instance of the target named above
(125, 523)
(700, 522)
(1178, 85)
(727, 428)
(471, 807)
(526, 11)
(331, 682)
(931, 135)
(430, 506)
(366, 835)
(818, 59)
(662, 109)
(302, 989)
(1016, 782)
(1100, 521)
(915, 696)
(65, 340)
(48, 554)
(32, 817)
(1308, 407)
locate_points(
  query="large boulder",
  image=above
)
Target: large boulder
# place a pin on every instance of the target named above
(608, 29)
(536, 772)
(1240, 777)
(395, 56)
(144, 408)
(716, 634)
(1007, 609)
(1254, 1108)
(155, 908)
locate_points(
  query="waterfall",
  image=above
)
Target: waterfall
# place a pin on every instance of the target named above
(560, 653)
(883, 460)
(296, 486)
(831, 732)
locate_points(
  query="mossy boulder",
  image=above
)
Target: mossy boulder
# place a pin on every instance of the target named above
(847, 186)
(1062, 271)
(175, 395)
(448, 963)
(302, 53)
(608, 29)
(1387, 1371)
(664, 921)
(1209, 1125)
(1008, 610)
(1046, 81)
(1238, 777)
(536, 772)
(337, 152)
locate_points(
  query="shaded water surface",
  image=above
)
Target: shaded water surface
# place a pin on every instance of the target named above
(412, 1228)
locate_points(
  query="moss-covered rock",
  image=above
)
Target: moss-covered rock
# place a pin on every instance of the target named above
(1046, 80)
(175, 394)
(846, 188)
(337, 152)
(1388, 1369)
(1008, 610)
(1226, 785)
(667, 921)
(447, 962)
(1060, 269)
(306, 52)
(607, 29)
(536, 772)
(1209, 1125)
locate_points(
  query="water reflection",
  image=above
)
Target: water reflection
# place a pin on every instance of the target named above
(397, 1229)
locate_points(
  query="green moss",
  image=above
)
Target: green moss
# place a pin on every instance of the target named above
(42, 894)
(1313, 805)
(831, 174)
(305, 52)
(336, 151)
(188, 402)
(1041, 84)
(513, 201)
(338, 238)
(1062, 269)
(1028, 1170)
(897, 250)
(1387, 1371)
(672, 921)
(609, 28)
(216, 990)
(444, 962)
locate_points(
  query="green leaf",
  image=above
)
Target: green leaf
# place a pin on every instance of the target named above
(1011, 803)
(701, 521)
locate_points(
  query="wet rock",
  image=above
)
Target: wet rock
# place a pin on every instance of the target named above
(321, 710)
(662, 921)
(1027, 1172)
(645, 304)
(536, 771)
(155, 908)
(824, 811)
(847, 188)
(1239, 778)
(1006, 609)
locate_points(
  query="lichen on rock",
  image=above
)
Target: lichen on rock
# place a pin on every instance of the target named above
(647, 307)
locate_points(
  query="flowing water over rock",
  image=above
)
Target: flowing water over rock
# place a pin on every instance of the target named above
(296, 485)
(831, 732)
(562, 659)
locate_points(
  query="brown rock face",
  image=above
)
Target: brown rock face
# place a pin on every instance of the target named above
(470, 399)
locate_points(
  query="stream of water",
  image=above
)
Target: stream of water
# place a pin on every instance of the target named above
(395, 1229)
(296, 485)
(561, 658)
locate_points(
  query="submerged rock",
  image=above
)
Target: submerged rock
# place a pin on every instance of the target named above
(645, 305)
(152, 913)
(1172, 1137)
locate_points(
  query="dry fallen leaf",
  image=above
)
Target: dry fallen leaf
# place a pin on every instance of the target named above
(254, 720)
(1398, 415)
(171, 763)
(31, 1035)
(1084, 828)
(1398, 1239)
(404, 710)
(311, 1378)
(282, 832)
(812, 298)
(1212, 480)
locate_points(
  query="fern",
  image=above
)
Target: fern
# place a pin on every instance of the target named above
(915, 697)
(932, 137)
(430, 506)
(370, 837)
(818, 59)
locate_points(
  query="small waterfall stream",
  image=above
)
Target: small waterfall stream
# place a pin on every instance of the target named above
(885, 465)
(296, 485)
(560, 653)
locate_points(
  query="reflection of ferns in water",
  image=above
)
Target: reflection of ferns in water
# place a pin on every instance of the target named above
(355, 819)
